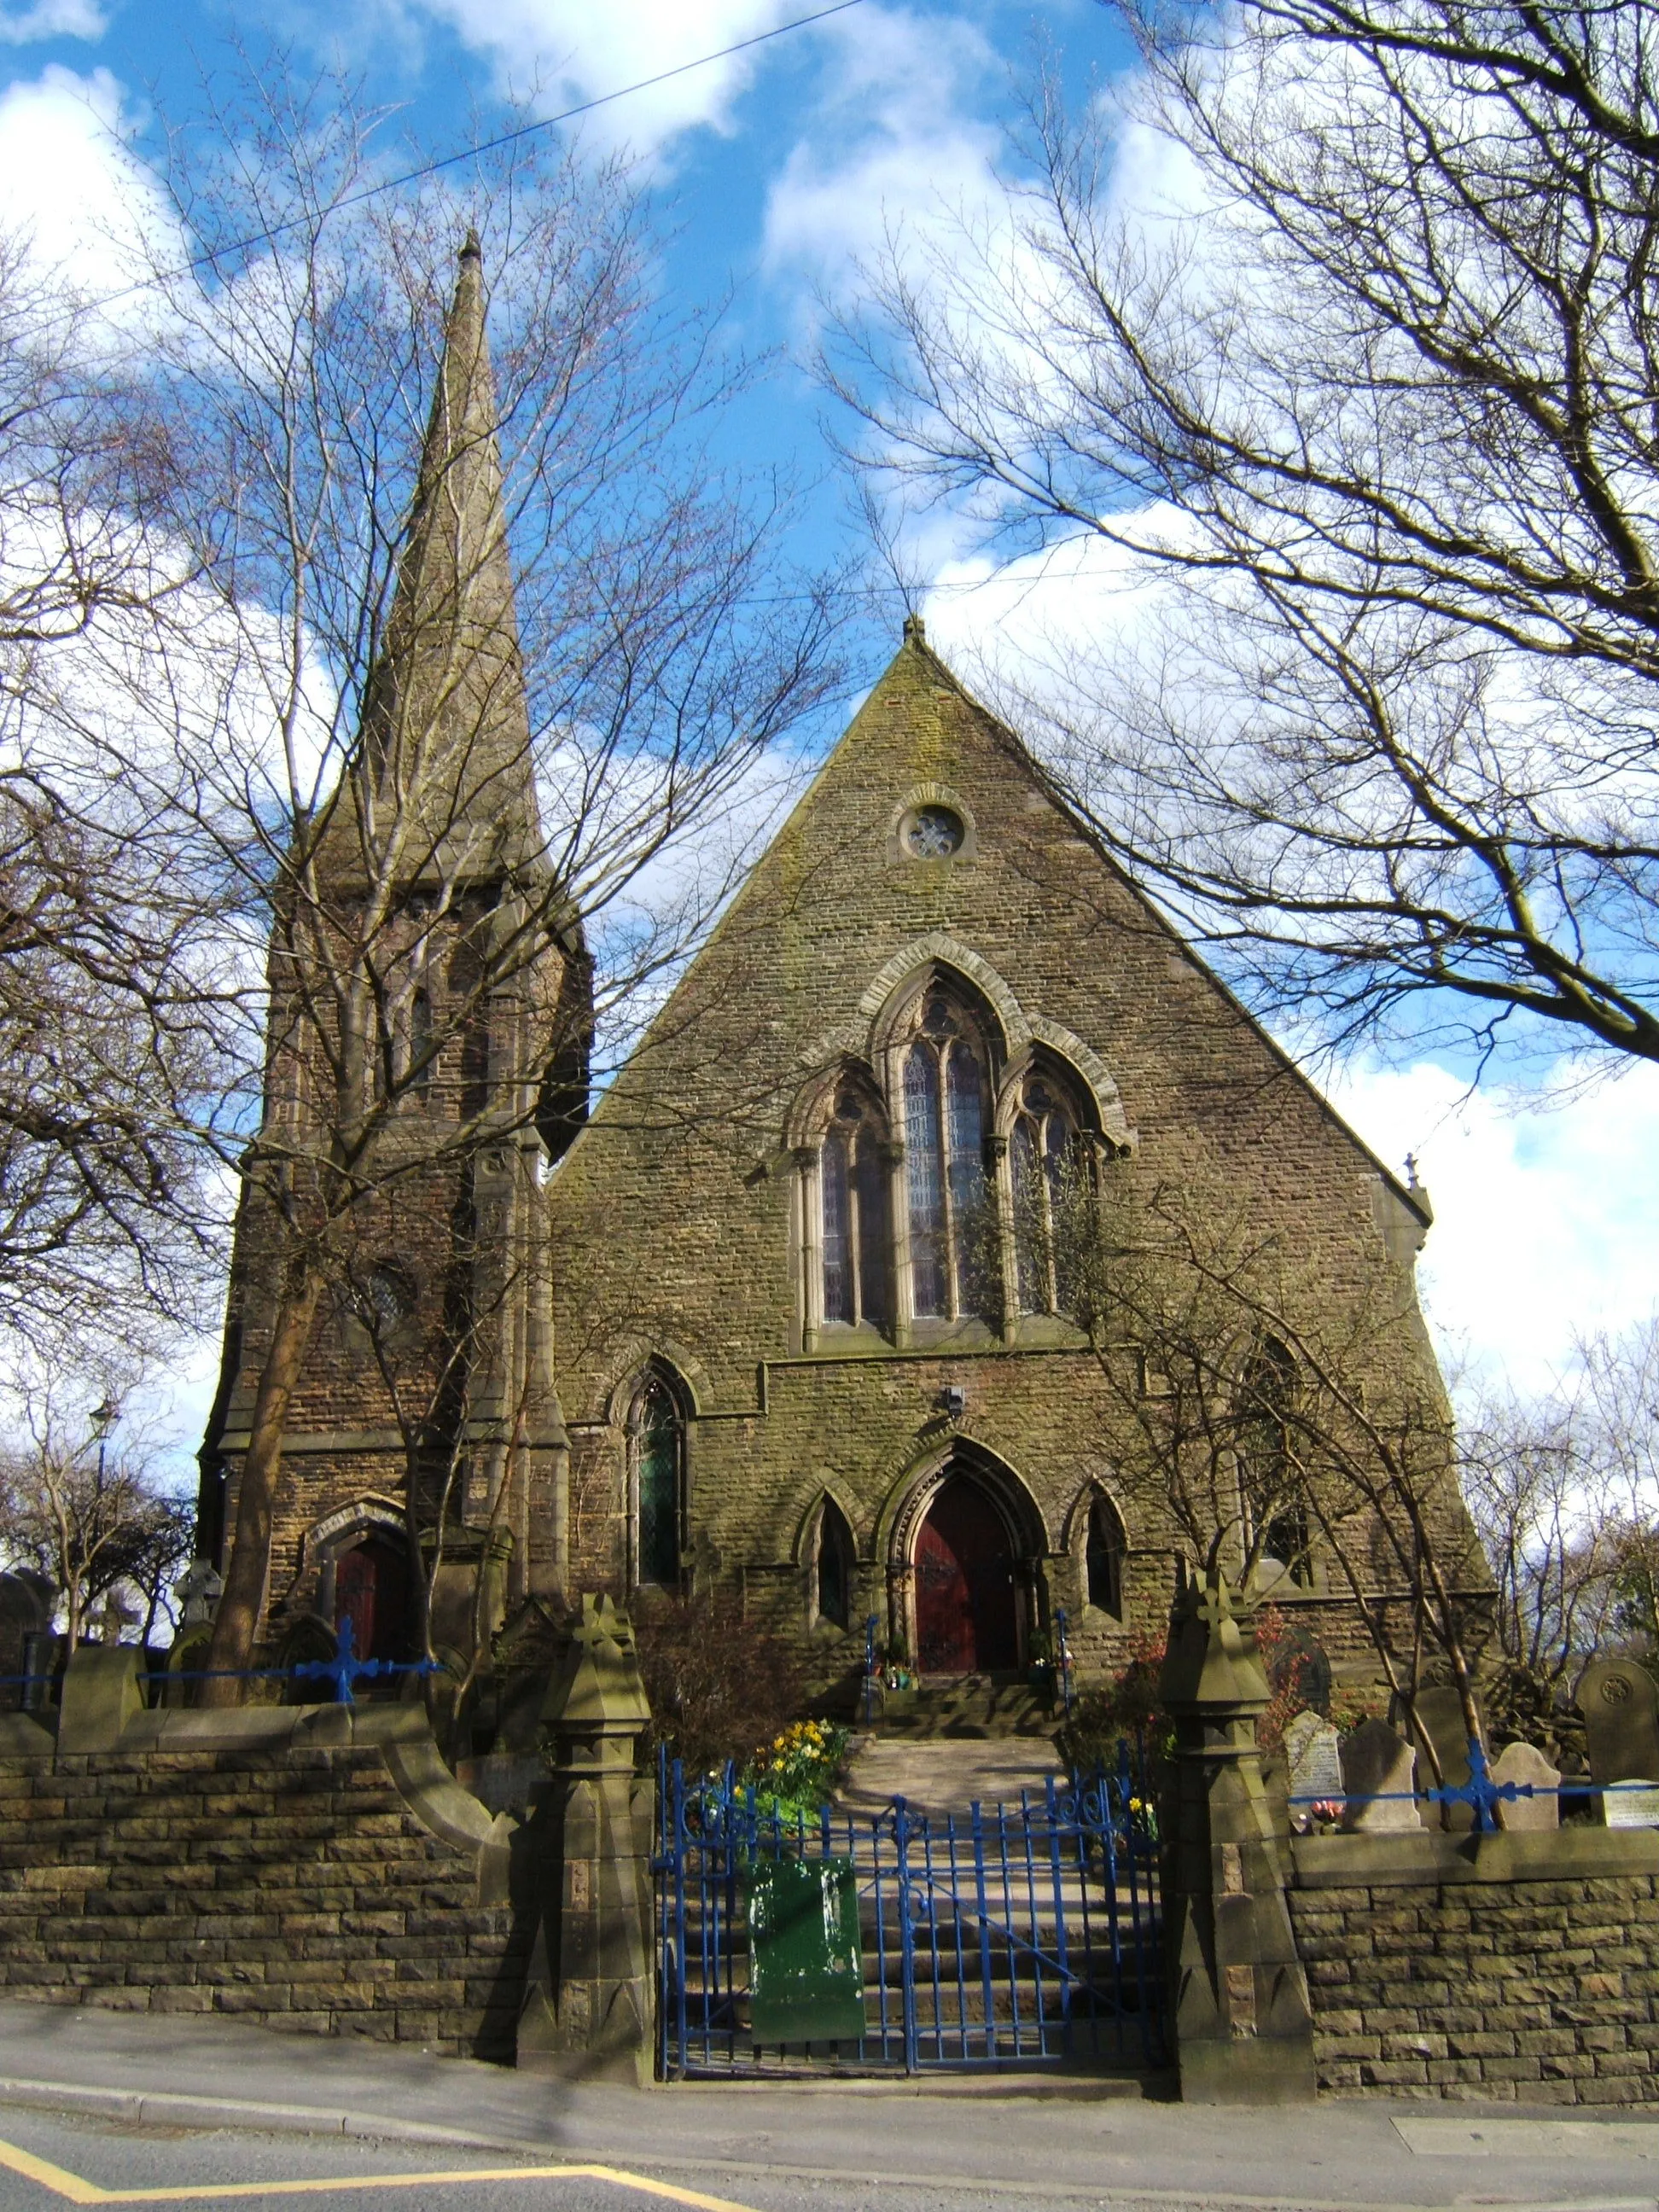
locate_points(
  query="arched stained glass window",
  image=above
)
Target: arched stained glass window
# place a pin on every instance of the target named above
(420, 1043)
(833, 1566)
(659, 1457)
(1103, 1556)
(924, 1182)
(1271, 1482)
(1049, 1169)
(856, 1230)
(944, 1081)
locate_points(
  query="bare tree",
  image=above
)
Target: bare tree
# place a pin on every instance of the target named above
(1281, 1425)
(107, 1051)
(1356, 397)
(481, 649)
(85, 1503)
(1565, 1493)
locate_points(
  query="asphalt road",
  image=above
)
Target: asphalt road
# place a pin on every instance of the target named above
(97, 2106)
(49, 2159)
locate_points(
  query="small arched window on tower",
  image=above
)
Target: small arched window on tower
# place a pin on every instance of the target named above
(418, 1066)
(1049, 1168)
(657, 1441)
(950, 1218)
(853, 1184)
(1273, 1495)
(833, 1567)
(1104, 1547)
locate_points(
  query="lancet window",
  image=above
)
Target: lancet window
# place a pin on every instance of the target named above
(1104, 1547)
(945, 1091)
(657, 1454)
(1048, 1170)
(1272, 1493)
(857, 1234)
(833, 1567)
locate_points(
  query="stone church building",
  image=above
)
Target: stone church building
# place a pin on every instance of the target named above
(799, 1341)
(811, 1347)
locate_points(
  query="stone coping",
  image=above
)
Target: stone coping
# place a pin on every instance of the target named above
(1424, 1857)
(402, 1734)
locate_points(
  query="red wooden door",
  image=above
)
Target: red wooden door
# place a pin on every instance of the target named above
(369, 1586)
(965, 1622)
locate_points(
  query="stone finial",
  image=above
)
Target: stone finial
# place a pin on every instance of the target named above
(915, 630)
(1211, 1665)
(596, 1705)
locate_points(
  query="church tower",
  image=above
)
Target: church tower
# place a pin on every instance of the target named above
(431, 1009)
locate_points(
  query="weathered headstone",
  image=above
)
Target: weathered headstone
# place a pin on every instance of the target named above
(1630, 1805)
(1313, 1755)
(1440, 1724)
(1298, 1663)
(1379, 1779)
(198, 1591)
(1620, 1708)
(1524, 1763)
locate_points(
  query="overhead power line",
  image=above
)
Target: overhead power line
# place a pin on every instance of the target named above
(275, 231)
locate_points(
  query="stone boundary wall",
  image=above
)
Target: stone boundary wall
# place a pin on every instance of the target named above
(1499, 1968)
(316, 1869)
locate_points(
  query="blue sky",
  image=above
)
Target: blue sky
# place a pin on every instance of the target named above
(776, 170)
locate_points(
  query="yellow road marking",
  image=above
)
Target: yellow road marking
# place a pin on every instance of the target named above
(74, 2191)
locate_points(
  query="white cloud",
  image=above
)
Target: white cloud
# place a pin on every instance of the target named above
(892, 147)
(570, 51)
(52, 19)
(1547, 1219)
(70, 186)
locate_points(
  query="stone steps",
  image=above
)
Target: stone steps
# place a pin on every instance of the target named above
(968, 1706)
(944, 1775)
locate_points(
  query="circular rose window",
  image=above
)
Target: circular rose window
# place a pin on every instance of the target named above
(933, 833)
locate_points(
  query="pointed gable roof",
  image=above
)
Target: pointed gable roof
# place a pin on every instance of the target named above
(447, 769)
(920, 737)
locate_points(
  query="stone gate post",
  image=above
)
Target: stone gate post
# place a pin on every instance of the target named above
(589, 2010)
(1238, 1997)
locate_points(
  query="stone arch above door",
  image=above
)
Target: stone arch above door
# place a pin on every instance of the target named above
(964, 1544)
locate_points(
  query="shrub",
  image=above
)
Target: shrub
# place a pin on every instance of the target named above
(718, 1685)
(796, 1772)
(1127, 1707)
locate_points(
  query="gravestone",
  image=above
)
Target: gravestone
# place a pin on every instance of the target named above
(1630, 1805)
(1618, 1702)
(1313, 1755)
(1299, 1662)
(1440, 1723)
(1379, 1779)
(25, 1615)
(1524, 1763)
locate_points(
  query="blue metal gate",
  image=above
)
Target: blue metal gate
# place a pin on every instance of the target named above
(1005, 1936)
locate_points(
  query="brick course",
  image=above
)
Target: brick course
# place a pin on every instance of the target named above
(291, 1882)
(1502, 1971)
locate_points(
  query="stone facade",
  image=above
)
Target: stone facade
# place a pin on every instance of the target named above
(429, 914)
(1500, 1969)
(735, 1339)
(689, 1220)
(315, 1870)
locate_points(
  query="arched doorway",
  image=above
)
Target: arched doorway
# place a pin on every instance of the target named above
(371, 1588)
(966, 1621)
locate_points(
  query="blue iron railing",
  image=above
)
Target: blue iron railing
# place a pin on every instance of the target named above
(1003, 1935)
(1480, 1792)
(345, 1670)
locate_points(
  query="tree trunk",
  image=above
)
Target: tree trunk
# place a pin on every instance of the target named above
(249, 1565)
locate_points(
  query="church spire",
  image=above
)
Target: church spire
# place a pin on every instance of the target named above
(448, 770)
